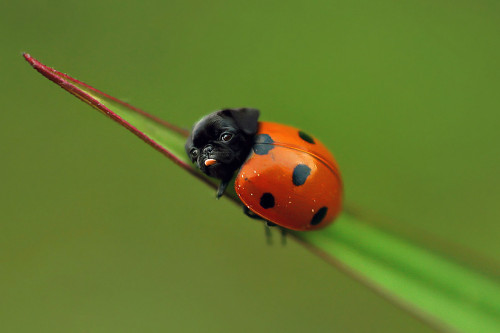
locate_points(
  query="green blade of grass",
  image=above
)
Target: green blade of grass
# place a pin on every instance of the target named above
(430, 285)
(443, 292)
(168, 139)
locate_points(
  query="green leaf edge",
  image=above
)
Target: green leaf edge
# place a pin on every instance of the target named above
(440, 291)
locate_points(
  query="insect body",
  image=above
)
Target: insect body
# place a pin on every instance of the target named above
(290, 179)
(283, 175)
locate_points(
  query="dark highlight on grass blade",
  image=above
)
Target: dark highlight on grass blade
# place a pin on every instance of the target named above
(443, 292)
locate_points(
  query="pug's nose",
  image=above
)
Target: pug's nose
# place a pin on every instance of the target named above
(208, 149)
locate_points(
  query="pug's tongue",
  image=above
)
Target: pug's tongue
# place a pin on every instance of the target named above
(210, 161)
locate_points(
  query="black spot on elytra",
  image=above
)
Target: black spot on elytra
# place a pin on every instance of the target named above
(306, 137)
(263, 144)
(319, 216)
(300, 174)
(267, 200)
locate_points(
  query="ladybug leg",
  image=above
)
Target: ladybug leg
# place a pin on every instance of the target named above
(283, 236)
(222, 188)
(269, 236)
(251, 214)
(267, 226)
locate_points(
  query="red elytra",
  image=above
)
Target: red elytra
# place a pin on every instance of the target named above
(290, 179)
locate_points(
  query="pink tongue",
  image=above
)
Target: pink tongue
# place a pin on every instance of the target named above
(210, 161)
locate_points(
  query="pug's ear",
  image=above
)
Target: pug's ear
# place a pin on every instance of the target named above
(245, 118)
(189, 145)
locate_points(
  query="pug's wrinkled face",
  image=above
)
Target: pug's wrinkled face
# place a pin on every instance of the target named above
(221, 141)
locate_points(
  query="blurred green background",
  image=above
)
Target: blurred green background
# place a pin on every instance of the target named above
(100, 233)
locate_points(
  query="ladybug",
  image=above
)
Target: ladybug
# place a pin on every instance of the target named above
(281, 174)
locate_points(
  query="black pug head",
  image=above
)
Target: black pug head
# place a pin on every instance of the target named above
(221, 141)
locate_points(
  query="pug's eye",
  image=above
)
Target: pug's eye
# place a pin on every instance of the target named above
(194, 153)
(226, 137)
